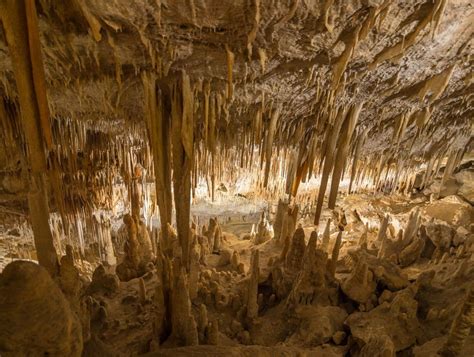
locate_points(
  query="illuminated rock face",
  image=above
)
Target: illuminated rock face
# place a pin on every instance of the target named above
(275, 177)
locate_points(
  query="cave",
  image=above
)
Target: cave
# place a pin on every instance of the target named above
(236, 178)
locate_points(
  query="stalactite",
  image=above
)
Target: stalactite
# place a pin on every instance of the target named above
(427, 13)
(263, 58)
(158, 125)
(230, 68)
(360, 141)
(341, 63)
(269, 143)
(436, 85)
(255, 24)
(342, 150)
(328, 162)
(93, 22)
(450, 167)
(326, 10)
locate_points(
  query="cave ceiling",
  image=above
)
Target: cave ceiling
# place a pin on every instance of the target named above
(408, 62)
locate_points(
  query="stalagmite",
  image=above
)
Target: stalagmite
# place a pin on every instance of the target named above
(296, 250)
(252, 289)
(263, 230)
(177, 156)
(335, 254)
(279, 219)
(360, 285)
(326, 236)
(382, 234)
(184, 329)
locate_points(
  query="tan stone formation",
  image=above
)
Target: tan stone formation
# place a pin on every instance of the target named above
(217, 240)
(263, 230)
(183, 325)
(281, 213)
(382, 234)
(294, 257)
(332, 263)
(412, 251)
(384, 271)
(378, 346)
(103, 281)
(252, 289)
(397, 319)
(360, 285)
(288, 223)
(138, 250)
(318, 324)
(203, 323)
(460, 328)
(311, 285)
(151, 142)
(35, 317)
(69, 278)
(194, 267)
(326, 236)
(210, 233)
(20, 24)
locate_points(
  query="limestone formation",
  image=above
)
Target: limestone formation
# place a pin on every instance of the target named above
(263, 230)
(35, 317)
(396, 319)
(460, 328)
(384, 271)
(236, 178)
(103, 281)
(252, 290)
(378, 346)
(69, 277)
(332, 263)
(326, 236)
(282, 210)
(138, 250)
(183, 325)
(360, 285)
(311, 285)
(294, 257)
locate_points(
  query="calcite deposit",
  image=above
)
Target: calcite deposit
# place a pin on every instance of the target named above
(236, 178)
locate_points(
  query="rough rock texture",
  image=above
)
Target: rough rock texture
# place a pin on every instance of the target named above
(360, 285)
(378, 346)
(138, 250)
(35, 317)
(384, 271)
(264, 232)
(317, 324)
(396, 319)
(155, 107)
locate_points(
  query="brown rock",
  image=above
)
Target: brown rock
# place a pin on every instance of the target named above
(35, 317)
